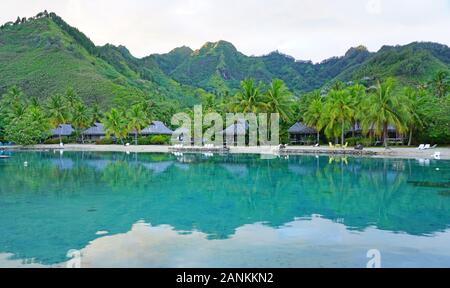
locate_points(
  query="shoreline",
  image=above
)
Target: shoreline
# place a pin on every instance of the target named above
(393, 152)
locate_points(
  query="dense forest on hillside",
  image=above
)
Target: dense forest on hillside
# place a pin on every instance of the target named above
(43, 55)
(44, 59)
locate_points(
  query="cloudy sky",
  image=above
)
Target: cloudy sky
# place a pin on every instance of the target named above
(305, 29)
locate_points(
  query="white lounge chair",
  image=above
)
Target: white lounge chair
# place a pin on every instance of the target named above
(421, 146)
(427, 146)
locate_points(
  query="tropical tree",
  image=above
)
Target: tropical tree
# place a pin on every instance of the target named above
(12, 106)
(96, 114)
(339, 109)
(57, 109)
(72, 97)
(81, 118)
(28, 128)
(418, 101)
(358, 94)
(313, 117)
(440, 83)
(150, 107)
(384, 107)
(115, 124)
(278, 99)
(210, 103)
(248, 99)
(337, 86)
(13, 96)
(306, 99)
(34, 101)
(137, 120)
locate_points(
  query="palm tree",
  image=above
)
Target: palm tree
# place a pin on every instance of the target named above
(440, 83)
(339, 108)
(313, 117)
(384, 108)
(358, 94)
(278, 99)
(209, 103)
(40, 120)
(14, 94)
(12, 102)
(57, 110)
(149, 107)
(34, 102)
(72, 97)
(96, 114)
(248, 99)
(337, 86)
(305, 100)
(137, 119)
(81, 118)
(114, 123)
(17, 111)
(419, 107)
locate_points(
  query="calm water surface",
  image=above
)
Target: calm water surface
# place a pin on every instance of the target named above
(159, 210)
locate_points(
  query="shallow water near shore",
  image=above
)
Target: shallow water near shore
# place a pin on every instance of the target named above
(161, 210)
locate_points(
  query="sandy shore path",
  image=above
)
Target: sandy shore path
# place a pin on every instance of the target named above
(378, 152)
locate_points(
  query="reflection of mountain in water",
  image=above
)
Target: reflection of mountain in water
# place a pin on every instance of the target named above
(51, 206)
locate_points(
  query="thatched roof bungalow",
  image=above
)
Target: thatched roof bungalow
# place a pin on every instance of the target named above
(62, 130)
(299, 133)
(97, 131)
(232, 132)
(156, 128)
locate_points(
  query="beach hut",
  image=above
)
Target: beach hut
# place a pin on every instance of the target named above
(95, 132)
(156, 128)
(63, 130)
(232, 132)
(393, 135)
(299, 133)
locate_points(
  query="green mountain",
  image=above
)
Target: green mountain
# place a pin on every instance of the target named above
(170, 61)
(412, 63)
(303, 76)
(219, 66)
(216, 67)
(44, 55)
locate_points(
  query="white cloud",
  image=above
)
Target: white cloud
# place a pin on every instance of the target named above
(307, 29)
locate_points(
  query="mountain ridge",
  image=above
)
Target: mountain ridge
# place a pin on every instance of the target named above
(44, 55)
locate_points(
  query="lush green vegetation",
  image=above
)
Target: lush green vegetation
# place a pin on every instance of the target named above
(27, 122)
(421, 113)
(44, 55)
(405, 86)
(219, 67)
(154, 140)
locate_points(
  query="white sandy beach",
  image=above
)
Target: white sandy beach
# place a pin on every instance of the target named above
(379, 152)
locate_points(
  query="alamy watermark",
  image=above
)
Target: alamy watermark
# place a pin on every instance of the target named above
(375, 258)
(75, 261)
(241, 129)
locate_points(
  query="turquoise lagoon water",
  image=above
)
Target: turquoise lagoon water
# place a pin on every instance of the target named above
(159, 210)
